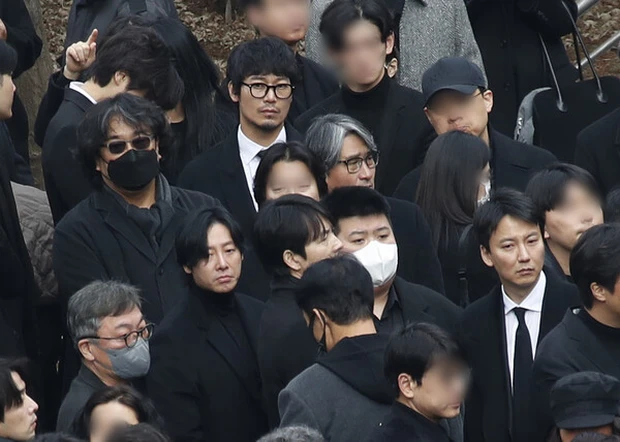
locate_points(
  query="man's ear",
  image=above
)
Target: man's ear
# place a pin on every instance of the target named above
(406, 385)
(486, 256)
(487, 96)
(121, 79)
(231, 92)
(291, 259)
(84, 347)
(599, 292)
(187, 270)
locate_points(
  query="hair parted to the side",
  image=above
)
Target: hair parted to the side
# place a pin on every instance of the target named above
(10, 396)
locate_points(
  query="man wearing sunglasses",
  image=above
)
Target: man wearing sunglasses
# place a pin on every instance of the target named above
(262, 77)
(107, 327)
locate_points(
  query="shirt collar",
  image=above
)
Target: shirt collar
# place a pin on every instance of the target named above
(78, 86)
(248, 149)
(533, 301)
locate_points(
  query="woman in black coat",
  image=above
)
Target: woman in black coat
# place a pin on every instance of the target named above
(204, 376)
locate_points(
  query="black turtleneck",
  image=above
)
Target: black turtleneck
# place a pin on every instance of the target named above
(367, 107)
(607, 336)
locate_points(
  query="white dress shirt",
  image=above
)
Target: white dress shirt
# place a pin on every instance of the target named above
(533, 304)
(248, 151)
(78, 86)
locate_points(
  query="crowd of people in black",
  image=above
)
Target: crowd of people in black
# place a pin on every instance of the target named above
(348, 246)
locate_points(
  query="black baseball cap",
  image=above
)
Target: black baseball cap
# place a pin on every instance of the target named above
(585, 400)
(452, 73)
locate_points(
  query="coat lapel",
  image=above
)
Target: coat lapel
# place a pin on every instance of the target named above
(555, 304)
(415, 309)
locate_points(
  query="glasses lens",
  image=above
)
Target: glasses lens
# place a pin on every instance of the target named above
(141, 143)
(131, 339)
(259, 90)
(354, 165)
(147, 332)
(371, 160)
(116, 147)
(284, 91)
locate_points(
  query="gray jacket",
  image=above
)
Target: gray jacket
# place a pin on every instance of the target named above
(429, 30)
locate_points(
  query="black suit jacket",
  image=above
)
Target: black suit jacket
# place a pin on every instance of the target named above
(219, 172)
(317, 84)
(512, 165)
(569, 348)
(65, 182)
(405, 133)
(488, 411)
(195, 378)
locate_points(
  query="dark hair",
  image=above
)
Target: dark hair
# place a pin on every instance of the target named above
(263, 56)
(416, 348)
(612, 206)
(191, 242)
(123, 394)
(287, 152)
(341, 287)
(10, 396)
(503, 202)
(595, 437)
(347, 202)
(448, 188)
(287, 223)
(8, 59)
(341, 14)
(547, 188)
(138, 113)
(596, 259)
(56, 437)
(138, 433)
(142, 55)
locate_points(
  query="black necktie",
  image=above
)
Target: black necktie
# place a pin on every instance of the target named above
(521, 378)
(262, 153)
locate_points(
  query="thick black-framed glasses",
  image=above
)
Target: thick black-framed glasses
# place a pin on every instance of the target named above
(130, 338)
(355, 164)
(260, 90)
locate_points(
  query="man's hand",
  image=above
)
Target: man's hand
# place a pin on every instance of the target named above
(80, 56)
(3, 31)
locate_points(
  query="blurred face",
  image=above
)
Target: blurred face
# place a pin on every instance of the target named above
(356, 232)
(361, 60)
(259, 106)
(107, 417)
(353, 148)
(287, 177)
(219, 272)
(326, 246)
(517, 251)
(579, 211)
(451, 110)
(20, 422)
(7, 92)
(569, 435)
(286, 19)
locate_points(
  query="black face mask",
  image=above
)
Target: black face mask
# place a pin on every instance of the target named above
(323, 341)
(134, 170)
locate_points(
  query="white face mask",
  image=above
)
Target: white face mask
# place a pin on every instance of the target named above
(380, 260)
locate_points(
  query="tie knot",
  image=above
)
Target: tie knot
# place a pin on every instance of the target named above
(520, 313)
(262, 153)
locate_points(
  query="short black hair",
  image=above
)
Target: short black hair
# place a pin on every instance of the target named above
(8, 59)
(138, 433)
(191, 242)
(288, 223)
(138, 113)
(612, 206)
(503, 202)
(289, 152)
(414, 349)
(142, 55)
(547, 188)
(596, 259)
(341, 287)
(341, 14)
(347, 202)
(263, 56)
(10, 396)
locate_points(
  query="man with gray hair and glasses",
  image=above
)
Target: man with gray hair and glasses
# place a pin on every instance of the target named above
(297, 433)
(107, 327)
(349, 155)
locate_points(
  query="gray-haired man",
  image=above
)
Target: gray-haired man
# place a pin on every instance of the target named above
(107, 327)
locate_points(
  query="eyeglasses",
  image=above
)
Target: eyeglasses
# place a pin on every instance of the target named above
(141, 142)
(355, 164)
(457, 101)
(260, 90)
(130, 338)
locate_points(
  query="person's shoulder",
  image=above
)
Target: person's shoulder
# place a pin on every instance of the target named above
(329, 105)
(308, 380)
(193, 199)
(208, 161)
(411, 97)
(79, 217)
(524, 151)
(482, 307)
(604, 131)
(400, 207)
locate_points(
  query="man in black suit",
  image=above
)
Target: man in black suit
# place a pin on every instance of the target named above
(359, 35)
(500, 332)
(288, 20)
(456, 98)
(133, 60)
(262, 77)
(349, 154)
(292, 232)
(364, 227)
(587, 337)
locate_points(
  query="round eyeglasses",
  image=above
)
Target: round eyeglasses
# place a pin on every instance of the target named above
(260, 90)
(130, 338)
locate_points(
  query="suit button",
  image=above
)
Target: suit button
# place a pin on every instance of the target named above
(504, 43)
(161, 271)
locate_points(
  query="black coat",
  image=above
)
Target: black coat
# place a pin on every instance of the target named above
(317, 84)
(405, 132)
(195, 381)
(512, 165)
(21, 34)
(65, 182)
(50, 104)
(219, 173)
(96, 240)
(598, 151)
(507, 35)
(417, 259)
(403, 424)
(569, 348)
(488, 408)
